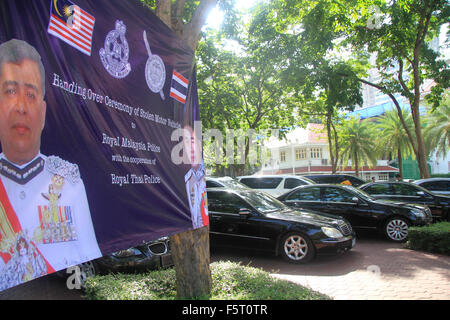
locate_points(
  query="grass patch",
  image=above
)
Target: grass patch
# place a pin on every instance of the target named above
(432, 238)
(230, 281)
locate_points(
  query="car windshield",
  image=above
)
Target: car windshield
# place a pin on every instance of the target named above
(262, 201)
(362, 194)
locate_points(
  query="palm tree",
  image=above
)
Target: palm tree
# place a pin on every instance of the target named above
(394, 138)
(357, 143)
(437, 128)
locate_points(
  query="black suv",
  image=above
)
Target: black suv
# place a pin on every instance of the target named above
(410, 193)
(336, 179)
(359, 208)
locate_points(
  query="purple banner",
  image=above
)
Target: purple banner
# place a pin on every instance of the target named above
(92, 95)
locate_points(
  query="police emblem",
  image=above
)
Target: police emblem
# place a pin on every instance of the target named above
(115, 54)
(155, 71)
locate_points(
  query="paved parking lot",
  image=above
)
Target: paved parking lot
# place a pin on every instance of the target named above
(376, 269)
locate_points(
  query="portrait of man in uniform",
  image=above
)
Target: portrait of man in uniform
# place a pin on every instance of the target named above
(195, 178)
(45, 221)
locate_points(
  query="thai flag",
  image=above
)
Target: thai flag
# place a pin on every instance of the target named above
(179, 87)
(72, 25)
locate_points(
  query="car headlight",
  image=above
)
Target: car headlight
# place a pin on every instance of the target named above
(332, 232)
(418, 213)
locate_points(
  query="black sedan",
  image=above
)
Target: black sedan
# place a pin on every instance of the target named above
(151, 255)
(410, 193)
(435, 185)
(252, 219)
(359, 208)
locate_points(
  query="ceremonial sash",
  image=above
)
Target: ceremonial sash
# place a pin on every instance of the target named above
(10, 226)
(203, 209)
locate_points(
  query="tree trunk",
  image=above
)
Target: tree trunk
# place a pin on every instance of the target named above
(400, 162)
(356, 165)
(190, 249)
(190, 252)
(330, 146)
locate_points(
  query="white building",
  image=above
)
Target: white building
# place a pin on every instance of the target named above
(305, 151)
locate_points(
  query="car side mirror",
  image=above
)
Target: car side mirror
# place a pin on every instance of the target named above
(243, 212)
(355, 200)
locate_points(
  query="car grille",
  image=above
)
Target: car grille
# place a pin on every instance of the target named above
(158, 248)
(345, 228)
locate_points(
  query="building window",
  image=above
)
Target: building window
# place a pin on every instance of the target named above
(383, 176)
(300, 154)
(283, 156)
(316, 153)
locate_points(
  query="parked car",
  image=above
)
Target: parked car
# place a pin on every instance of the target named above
(252, 219)
(223, 182)
(435, 185)
(410, 193)
(275, 184)
(359, 208)
(151, 255)
(336, 179)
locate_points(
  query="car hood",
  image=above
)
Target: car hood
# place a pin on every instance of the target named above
(306, 216)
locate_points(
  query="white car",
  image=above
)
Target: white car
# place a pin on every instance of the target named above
(224, 182)
(275, 185)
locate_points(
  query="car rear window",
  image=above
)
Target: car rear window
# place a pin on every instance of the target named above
(262, 183)
(405, 190)
(437, 185)
(307, 194)
(377, 189)
(291, 183)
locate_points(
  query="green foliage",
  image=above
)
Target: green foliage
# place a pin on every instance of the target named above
(393, 135)
(437, 127)
(395, 34)
(356, 139)
(230, 281)
(433, 238)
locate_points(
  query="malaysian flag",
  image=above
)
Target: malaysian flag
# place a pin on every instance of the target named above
(72, 25)
(179, 87)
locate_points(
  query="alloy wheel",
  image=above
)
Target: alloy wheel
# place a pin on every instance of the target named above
(397, 229)
(295, 247)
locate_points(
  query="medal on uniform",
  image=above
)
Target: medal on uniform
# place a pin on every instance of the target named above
(56, 222)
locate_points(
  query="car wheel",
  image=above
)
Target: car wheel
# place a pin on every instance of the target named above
(297, 248)
(396, 229)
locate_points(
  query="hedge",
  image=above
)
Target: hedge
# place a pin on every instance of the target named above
(432, 238)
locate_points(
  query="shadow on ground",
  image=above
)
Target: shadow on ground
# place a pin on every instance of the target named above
(372, 250)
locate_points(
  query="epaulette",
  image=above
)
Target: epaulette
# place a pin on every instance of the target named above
(63, 168)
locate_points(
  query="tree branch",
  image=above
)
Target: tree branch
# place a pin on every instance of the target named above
(397, 106)
(191, 32)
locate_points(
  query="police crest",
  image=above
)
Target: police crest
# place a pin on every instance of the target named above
(155, 71)
(115, 54)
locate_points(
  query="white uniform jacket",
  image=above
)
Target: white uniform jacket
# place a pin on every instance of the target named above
(45, 222)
